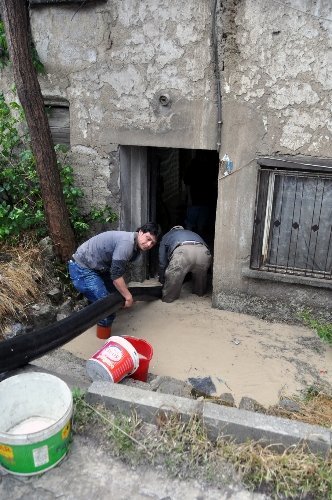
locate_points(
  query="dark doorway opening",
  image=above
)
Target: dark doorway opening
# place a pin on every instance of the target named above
(183, 186)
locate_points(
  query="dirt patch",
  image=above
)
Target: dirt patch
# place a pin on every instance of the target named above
(243, 355)
(240, 354)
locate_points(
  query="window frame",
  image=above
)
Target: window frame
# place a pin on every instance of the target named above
(53, 103)
(270, 167)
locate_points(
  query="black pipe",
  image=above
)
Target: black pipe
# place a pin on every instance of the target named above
(20, 350)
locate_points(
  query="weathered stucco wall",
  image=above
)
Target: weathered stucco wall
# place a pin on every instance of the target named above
(134, 72)
(277, 77)
(141, 72)
(276, 99)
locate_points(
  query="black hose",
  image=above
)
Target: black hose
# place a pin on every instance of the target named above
(20, 350)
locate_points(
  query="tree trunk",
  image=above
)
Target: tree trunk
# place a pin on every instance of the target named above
(16, 22)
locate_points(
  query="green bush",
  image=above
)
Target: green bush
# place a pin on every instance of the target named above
(21, 204)
(4, 53)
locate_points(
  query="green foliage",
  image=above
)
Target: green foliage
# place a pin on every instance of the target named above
(102, 215)
(323, 329)
(21, 204)
(82, 414)
(39, 67)
(4, 54)
(121, 431)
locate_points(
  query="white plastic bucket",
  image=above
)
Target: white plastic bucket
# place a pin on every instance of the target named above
(114, 361)
(35, 422)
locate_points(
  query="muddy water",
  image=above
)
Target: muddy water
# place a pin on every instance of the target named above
(243, 355)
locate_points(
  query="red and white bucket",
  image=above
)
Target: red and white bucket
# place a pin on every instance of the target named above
(114, 361)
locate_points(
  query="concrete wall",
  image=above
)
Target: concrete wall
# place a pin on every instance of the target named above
(135, 73)
(141, 73)
(277, 78)
(276, 98)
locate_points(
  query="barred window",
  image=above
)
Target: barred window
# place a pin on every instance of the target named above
(293, 222)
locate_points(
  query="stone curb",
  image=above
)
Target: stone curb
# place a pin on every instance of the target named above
(240, 425)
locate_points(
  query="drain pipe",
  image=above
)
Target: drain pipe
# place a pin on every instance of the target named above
(216, 71)
(19, 351)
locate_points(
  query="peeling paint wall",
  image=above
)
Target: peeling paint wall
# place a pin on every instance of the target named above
(277, 65)
(276, 99)
(141, 73)
(135, 73)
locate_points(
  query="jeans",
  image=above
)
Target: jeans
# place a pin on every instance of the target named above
(94, 285)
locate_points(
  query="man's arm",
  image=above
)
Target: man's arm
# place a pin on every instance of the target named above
(121, 255)
(122, 288)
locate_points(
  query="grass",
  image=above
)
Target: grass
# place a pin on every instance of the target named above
(184, 450)
(315, 408)
(25, 276)
(83, 414)
(21, 270)
(323, 329)
(295, 473)
(117, 428)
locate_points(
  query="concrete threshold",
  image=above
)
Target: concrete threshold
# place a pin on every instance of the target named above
(238, 425)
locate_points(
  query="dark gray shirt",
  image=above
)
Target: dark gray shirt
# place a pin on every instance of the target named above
(168, 244)
(111, 250)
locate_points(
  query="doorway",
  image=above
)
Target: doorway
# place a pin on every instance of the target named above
(171, 186)
(182, 180)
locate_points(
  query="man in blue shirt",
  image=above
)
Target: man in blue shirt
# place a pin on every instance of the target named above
(182, 251)
(99, 264)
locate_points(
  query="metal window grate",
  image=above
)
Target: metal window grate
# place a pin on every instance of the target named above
(293, 223)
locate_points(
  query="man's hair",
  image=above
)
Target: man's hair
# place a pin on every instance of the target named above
(152, 228)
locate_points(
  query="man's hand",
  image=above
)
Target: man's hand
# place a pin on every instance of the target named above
(121, 286)
(129, 301)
